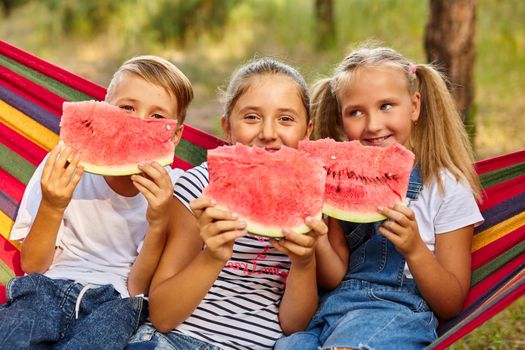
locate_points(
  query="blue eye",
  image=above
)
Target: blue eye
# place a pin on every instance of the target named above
(355, 113)
(386, 107)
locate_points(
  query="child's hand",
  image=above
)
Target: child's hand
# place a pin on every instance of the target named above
(218, 228)
(300, 248)
(59, 178)
(401, 229)
(155, 184)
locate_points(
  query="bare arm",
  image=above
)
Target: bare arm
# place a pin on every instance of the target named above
(187, 272)
(157, 188)
(449, 267)
(299, 301)
(332, 256)
(58, 182)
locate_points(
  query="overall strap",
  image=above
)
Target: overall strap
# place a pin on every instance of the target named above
(415, 184)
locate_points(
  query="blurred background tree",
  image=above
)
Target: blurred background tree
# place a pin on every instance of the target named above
(208, 39)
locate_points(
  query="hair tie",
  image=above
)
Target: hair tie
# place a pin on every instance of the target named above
(413, 68)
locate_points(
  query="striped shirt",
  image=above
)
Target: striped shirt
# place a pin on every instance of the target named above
(241, 309)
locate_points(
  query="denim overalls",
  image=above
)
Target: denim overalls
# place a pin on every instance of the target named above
(375, 306)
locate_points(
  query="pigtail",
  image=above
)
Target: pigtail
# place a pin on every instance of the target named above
(325, 112)
(439, 137)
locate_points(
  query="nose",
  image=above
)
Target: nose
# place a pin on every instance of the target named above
(374, 122)
(267, 132)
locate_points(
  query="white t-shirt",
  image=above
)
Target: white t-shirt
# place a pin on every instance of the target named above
(438, 213)
(100, 235)
(241, 309)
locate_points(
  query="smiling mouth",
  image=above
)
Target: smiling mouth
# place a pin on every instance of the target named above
(270, 149)
(376, 140)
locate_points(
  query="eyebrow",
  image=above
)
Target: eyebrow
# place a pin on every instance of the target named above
(257, 108)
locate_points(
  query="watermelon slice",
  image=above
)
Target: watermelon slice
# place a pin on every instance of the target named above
(112, 141)
(361, 178)
(271, 191)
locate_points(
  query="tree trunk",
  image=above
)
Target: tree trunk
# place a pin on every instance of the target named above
(450, 42)
(324, 15)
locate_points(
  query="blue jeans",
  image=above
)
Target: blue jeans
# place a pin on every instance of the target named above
(148, 338)
(43, 313)
(375, 306)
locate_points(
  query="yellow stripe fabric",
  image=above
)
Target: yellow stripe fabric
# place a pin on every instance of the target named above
(27, 127)
(497, 231)
(5, 228)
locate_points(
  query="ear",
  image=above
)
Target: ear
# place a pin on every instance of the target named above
(309, 130)
(226, 129)
(177, 135)
(416, 106)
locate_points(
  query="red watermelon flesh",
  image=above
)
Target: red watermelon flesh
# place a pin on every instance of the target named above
(112, 141)
(271, 191)
(361, 178)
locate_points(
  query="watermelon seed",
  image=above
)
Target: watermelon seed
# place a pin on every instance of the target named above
(333, 157)
(168, 127)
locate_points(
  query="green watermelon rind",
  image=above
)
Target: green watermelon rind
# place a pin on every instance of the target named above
(121, 170)
(259, 229)
(344, 215)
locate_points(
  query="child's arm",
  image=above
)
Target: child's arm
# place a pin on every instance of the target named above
(58, 182)
(331, 256)
(157, 188)
(299, 301)
(443, 279)
(187, 271)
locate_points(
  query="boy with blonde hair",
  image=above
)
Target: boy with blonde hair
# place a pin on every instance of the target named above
(91, 243)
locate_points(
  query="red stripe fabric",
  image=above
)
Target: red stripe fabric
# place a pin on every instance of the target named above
(11, 186)
(10, 256)
(482, 287)
(55, 72)
(482, 318)
(50, 106)
(498, 247)
(201, 138)
(499, 162)
(22, 146)
(37, 92)
(181, 164)
(502, 191)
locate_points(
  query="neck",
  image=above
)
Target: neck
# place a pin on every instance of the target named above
(122, 185)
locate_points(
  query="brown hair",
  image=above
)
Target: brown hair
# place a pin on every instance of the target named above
(240, 82)
(439, 139)
(161, 72)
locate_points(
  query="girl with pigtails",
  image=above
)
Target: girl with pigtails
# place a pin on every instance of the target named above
(394, 279)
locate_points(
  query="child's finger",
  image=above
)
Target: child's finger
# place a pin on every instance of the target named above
(393, 215)
(215, 213)
(50, 163)
(200, 204)
(146, 184)
(392, 237)
(221, 226)
(155, 171)
(216, 241)
(75, 179)
(393, 227)
(318, 227)
(403, 209)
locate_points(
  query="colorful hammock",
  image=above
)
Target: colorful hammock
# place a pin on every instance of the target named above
(32, 92)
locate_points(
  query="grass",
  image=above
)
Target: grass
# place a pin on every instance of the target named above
(270, 27)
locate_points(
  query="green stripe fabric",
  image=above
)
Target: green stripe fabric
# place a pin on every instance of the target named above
(502, 175)
(190, 152)
(489, 268)
(5, 273)
(15, 165)
(53, 85)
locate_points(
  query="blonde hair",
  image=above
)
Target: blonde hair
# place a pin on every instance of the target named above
(241, 80)
(439, 139)
(161, 72)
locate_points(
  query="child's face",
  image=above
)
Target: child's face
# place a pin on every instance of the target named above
(145, 100)
(377, 108)
(269, 114)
